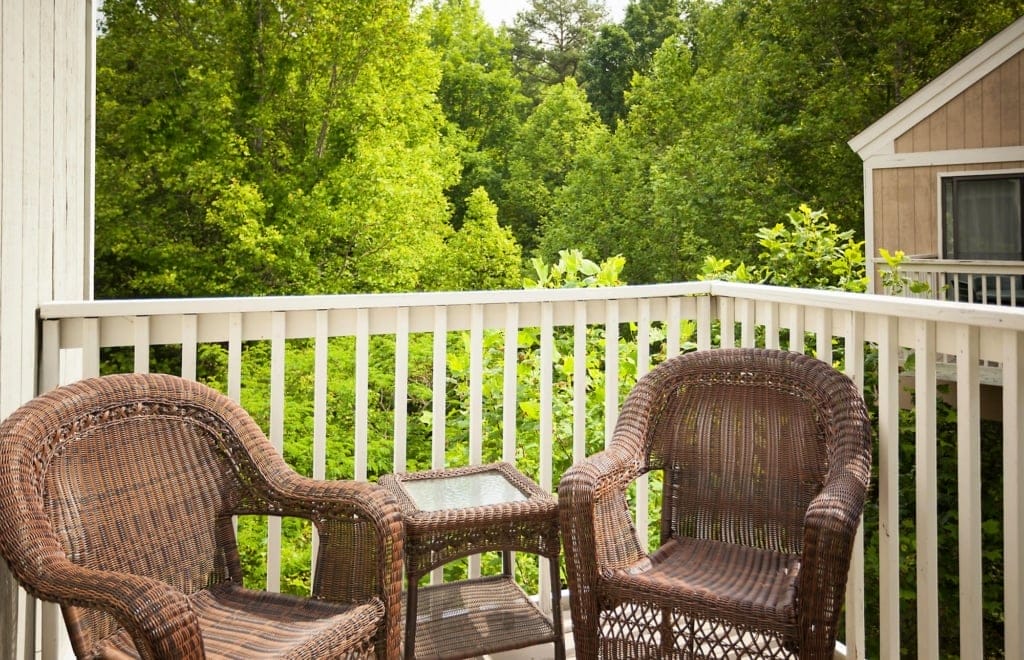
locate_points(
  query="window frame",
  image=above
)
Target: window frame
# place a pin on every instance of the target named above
(944, 177)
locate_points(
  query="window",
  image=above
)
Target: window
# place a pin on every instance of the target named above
(981, 217)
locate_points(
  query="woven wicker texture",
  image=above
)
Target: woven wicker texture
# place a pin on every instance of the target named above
(483, 615)
(116, 497)
(765, 457)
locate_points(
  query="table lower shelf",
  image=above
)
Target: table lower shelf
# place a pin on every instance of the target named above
(473, 617)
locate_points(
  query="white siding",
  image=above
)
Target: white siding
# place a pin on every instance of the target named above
(46, 103)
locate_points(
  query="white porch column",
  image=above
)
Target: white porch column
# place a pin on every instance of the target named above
(46, 138)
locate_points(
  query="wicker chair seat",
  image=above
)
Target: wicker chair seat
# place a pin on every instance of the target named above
(721, 581)
(238, 622)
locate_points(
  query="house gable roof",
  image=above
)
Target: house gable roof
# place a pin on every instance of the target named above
(879, 138)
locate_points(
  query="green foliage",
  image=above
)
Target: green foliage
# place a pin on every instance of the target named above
(894, 281)
(739, 111)
(483, 255)
(275, 146)
(606, 71)
(810, 252)
(481, 98)
(542, 156)
(549, 39)
(573, 270)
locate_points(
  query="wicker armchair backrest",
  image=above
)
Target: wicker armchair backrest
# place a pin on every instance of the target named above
(134, 474)
(746, 440)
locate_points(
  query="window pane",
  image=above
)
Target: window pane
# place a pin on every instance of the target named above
(987, 216)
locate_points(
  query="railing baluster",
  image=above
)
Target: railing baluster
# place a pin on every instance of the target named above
(476, 389)
(611, 369)
(968, 455)
(189, 344)
(141, 359)
(703, 323)
(926, 519)
(401, 421)
(438, 394)
(277, 365)
(727, 316)
(547, 351)
(643, 360)
(771, 326)
(796, 328)
(510, 379)
(674, 319)
(888, 485)
(476, 414)
(235, 356)
(746, 311)
(823, 337)
(438, 403)
(362, 421)
(579, 381)
(320, 342)
(855, 624)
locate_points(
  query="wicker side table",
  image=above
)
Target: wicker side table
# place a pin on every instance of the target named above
(455, 513)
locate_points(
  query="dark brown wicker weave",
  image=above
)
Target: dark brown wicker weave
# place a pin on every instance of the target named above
(765, 457)
(493, 613)
(116, 497)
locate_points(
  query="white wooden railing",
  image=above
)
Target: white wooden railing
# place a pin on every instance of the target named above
(983, 282)
(871, 334)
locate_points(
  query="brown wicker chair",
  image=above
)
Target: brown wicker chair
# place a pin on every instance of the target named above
(116, 501)
(765, 457)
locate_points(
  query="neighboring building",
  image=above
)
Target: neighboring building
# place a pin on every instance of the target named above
(944, 175)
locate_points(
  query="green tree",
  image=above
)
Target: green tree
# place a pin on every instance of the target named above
(744, 115)
(549, 39)
(270, 146)
(483, 255)
(649, 23)
(808, 251)
(606, 71)
(542, 156)
(479, 94)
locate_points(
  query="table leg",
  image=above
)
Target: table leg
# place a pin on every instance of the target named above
(412, 597)
(556, 608)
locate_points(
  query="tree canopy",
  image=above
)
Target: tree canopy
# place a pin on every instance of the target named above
(289, 146)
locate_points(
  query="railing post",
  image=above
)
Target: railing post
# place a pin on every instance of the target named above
(1013, 491)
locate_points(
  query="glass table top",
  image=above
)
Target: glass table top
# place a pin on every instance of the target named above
(461, 492)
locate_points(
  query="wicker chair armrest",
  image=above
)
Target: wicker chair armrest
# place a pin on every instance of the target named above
(830, 526)
(594, 514)
(326, 501)
(156, 615)
(353, 563)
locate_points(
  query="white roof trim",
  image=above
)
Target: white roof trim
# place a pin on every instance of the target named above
(879, 138)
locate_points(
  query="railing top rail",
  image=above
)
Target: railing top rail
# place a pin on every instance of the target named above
(162, 306)
(977, 266)
(991, 316)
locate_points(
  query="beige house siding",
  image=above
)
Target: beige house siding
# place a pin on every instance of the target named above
(987, 114)
(906, 203)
